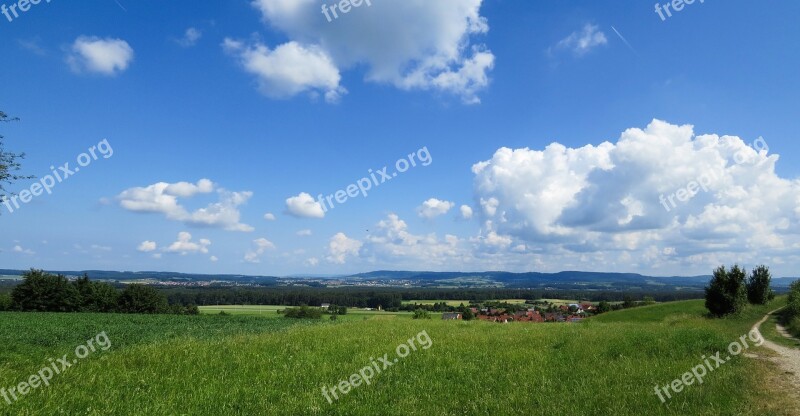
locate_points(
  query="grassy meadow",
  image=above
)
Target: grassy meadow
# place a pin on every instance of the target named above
(248, 365)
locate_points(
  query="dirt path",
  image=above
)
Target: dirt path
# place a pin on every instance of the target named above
(788, 359)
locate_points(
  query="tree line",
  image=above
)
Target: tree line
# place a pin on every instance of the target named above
(45, 292)
(391, 298)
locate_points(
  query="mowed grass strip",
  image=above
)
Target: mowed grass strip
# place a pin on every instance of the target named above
(472, 368)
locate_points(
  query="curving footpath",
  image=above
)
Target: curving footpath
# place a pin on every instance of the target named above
(788, 359)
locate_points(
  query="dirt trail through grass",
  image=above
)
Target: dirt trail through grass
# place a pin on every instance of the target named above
(788, 359)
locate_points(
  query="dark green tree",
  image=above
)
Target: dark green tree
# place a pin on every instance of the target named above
(726, 294)
(758, 286)
(603, 307)
(105, 298)
(45, 292)
(627, 302)
(142, 299)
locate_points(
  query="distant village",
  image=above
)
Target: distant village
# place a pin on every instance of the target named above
(574, 312)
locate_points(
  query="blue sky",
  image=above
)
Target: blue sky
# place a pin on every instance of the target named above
(238, 108)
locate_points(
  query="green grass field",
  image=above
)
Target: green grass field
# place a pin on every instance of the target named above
(456, 302)
(271, 311)
(247, 365)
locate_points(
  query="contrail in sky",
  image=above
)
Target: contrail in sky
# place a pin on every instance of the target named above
(120, 6)
(624, 40)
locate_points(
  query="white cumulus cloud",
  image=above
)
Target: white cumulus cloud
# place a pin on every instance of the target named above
(433, 208)
(466, 212)
(341, 247)
(147, 246)
(184, 245)
(411, 44)
(289, 69)
(304, 206)
(659, 197)
(163, 198)
(107, 56)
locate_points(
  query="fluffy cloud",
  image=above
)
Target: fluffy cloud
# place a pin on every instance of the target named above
(163, 198)
(289, 69)
(466, 212)
(102, 56)
(304, 206)
(580, 43)
(269, 216)
(433, 208)
(413, 44)
(261, 246)
(147, 246)
(660, 197)
(185, 245)
(341, 247)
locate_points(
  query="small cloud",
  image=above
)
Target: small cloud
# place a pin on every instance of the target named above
(269, 216)
(147, 246)
(313, 261)
(262, 245)
(185, 245)
(32, 45)
(289, 69)
(433, 208)
(213, 259)
(101, 56)
(582, 42)
(304, 233)
(19, 249)
(190, 37)
(466, 212)
(304, 206)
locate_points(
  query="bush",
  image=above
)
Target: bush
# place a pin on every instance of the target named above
(142, 299)
(303, 312)
(726, 293)
(421, 314)
(758, 290)
(5, 302)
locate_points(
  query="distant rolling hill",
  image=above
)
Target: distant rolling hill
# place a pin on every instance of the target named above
(566, 280)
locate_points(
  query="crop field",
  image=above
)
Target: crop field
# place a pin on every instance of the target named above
(248, 365)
